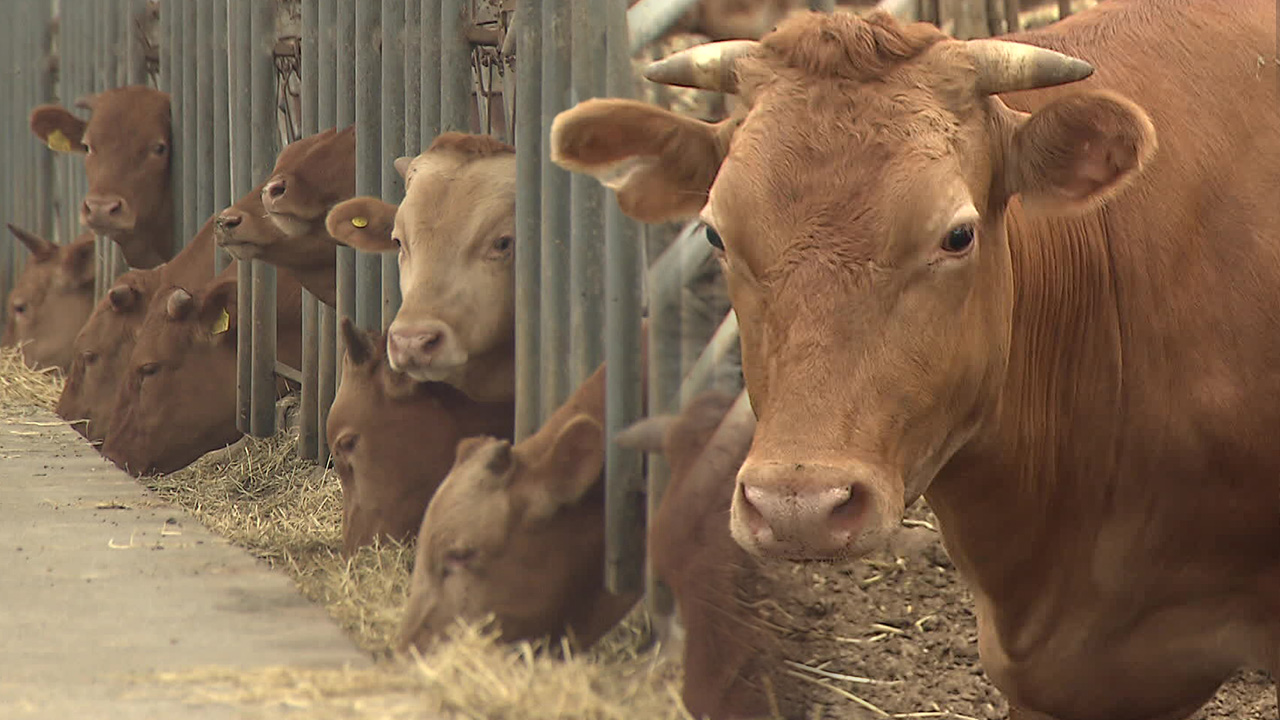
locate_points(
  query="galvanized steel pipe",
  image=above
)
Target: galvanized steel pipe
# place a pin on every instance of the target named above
(368, 155)
(263, 106)
(455, 66)
(555, 203)
(528, 134)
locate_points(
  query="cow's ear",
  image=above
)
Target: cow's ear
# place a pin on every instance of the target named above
(364, 223)
(40, 249)
(358, 343)
(218, 310)
(78, 263)
(58, 128)
(1077, 152)
(571, 466)
(660, 164)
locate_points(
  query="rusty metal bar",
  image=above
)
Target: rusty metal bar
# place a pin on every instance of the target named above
(624, 499)
(528, 134)
(393, 140)
(263, 150)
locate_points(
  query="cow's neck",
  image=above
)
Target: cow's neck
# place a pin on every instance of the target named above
(491, 376)
(319, 278)
(149, 244)
(1043, 466)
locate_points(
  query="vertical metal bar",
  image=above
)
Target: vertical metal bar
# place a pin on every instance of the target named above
(346, 114)
(219, 107)
(173, 51)
(586, 201)
(263, 151)
(528, 136)
(44, 94)
(326, 114)
(133, 52)
(624, 503)
(188, 122)
(308, 426)
(393, 140)
(822, 5)
(554, 283)
(368, 155)
(241, 183)
(429, 104)
(413, 77)
(1064, 8)
(203, 120)
(1012, 15)
(455, 66)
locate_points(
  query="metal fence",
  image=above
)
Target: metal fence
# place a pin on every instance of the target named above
(246, 77)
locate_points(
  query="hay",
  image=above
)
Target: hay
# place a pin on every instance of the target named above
(24, 391)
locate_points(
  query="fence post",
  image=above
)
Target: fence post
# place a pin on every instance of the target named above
(368, 154)
(326, 117)
(220, 108)
(44, 93)
(309, 417)
(528, 135)
(413, 72)
(241, 183)
(556, 218)
(429, 62)
(455, 66)
(263, 150)
(393, 140)
(345, 25)
(624, 501)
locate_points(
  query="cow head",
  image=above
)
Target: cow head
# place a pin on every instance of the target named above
(454, 233)
(50, 300)
(518, 532)
(393, 439)
(284, 222)
(100, 352)
(126, 144)
(186, 349)
(859, 211)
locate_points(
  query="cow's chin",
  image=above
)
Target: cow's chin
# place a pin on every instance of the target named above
(241, 251)
(442, 368)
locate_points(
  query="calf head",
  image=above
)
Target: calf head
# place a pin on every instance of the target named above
(50, 300)
(393, 440)
(858, 209)
(518, 532)
(454, 233)
(100, 353)
(126, 144)
(177, 399)
(284, 223)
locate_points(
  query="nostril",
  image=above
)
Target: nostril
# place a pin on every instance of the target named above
(229, 220)
(848, 515)
(755, 520)
(431, 340)
(115, 208)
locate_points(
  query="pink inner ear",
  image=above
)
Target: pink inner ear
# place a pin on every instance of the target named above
(1100, 164)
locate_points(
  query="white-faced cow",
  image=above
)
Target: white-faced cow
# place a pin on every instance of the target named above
(944, 287)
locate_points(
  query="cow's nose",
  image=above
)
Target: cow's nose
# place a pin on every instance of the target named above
(96, 207)
(229, 219)
(274, 189)
(417, 342)
(802, 511)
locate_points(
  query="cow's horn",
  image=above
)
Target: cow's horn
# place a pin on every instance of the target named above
(1005, 66)
(179, 304)
(708, 66)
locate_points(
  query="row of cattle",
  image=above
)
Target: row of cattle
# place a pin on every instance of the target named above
(960, 269)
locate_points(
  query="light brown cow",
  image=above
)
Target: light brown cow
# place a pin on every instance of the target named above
(310, 177)
(455, 233)
(518, 532)
(50, 300)
(100, 351)
(127, 147)
(1085, 390)
(393, 440)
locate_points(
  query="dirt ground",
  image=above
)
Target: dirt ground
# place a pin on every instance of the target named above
(910, 619)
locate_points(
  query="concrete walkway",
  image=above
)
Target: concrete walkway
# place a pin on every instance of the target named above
(99, 580)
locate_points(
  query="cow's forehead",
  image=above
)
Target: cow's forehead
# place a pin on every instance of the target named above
(447, 193)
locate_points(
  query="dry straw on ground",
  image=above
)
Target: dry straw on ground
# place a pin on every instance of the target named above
(24, 391)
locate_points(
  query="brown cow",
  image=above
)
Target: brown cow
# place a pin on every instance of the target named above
(126, 144)
(518, 532)
(186, 349)
(393, 440)
(310, 177)
(100, 351)
(50, 300)
(455, 234)
(1085, 391)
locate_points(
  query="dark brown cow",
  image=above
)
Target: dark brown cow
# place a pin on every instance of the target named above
(455, 234)
(393, 440)
(941, 289)
(50, 300)
(127, 147)
(100, 352)
(518, 532)
(310, 177)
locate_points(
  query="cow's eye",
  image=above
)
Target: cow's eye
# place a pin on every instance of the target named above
(161, 148)
(714, 238)
(958, 239)
(457, 559)
(90, 357)
(503, 243)
(346, 444)
(19, 308)
(149, 369)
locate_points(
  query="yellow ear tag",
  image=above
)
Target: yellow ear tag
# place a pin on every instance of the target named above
(360, 222)
(59, 142)
(223, 323)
